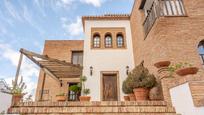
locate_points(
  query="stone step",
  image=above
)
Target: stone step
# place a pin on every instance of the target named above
(94, 108)
(92, 104)
(108, 114)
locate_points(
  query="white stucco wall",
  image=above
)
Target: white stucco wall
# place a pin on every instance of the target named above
(5, 99)
(106, 60)
(183, 102)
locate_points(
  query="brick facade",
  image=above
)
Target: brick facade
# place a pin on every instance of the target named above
(173, 38)
(61, 50)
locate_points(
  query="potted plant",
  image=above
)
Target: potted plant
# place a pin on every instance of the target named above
(85, 91)
(61, 96)
(183, 69)
(142, 81)
(76, 89)
(130, 89)
(17, 91)
(126, 90)
(161, 64)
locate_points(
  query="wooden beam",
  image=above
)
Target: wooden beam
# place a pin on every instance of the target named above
(18, 69)
(43, 68)
(45, 57)
(50, 74)
(71, 80)
(67, 74)
(43, 85)
(53, 67)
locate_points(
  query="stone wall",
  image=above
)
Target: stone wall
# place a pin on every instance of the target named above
(62, 50)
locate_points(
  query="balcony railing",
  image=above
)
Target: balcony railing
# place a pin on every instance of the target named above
(162, 8)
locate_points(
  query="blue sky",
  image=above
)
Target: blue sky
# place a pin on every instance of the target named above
(28, 23)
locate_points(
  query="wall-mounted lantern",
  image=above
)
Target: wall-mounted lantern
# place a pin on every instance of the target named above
(127, 69)
(91, 70)
(61, 84)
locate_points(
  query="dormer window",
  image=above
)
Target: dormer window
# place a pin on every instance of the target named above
(96, 41)
(108, 41)
(120, 41)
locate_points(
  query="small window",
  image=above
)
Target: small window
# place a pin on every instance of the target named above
(108, 41)
(96, 41)
(201, 50)
(77, 57)
(73, 96)
(120, 40)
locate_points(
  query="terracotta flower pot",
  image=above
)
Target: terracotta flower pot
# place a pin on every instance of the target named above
(60, 98)
(84, 98)
(126, 98)
(187, 71)
(16, 98)
(162, 64)
(141, 93)
(132, 97)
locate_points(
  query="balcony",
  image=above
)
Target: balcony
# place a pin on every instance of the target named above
(159, 8)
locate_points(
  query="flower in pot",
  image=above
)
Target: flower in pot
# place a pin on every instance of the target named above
(61, 96)
(141, 81)
(76, 89)
(127, 90)
(162, 64)
(85, 91)
(183, 69)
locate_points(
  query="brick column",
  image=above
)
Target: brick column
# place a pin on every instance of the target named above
(166, 80)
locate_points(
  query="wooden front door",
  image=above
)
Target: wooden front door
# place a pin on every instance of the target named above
(110, 89)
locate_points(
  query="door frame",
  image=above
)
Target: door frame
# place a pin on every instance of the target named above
(117, 83)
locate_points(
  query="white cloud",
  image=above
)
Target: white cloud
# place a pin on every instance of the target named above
(28, 69)
(12, 10)
(40, 6)
(28, 17)
(73, 29)
(64, 3)
(96, 3)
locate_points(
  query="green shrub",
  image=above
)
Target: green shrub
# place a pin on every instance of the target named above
(140, 78)
(75, 88)
(125, 88)
(85, 91)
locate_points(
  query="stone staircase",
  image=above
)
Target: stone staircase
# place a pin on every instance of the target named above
(94, 108)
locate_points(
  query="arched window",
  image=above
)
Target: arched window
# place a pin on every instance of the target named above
(96, 41)
(108, 41)
(201, 50)
(120, 40)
